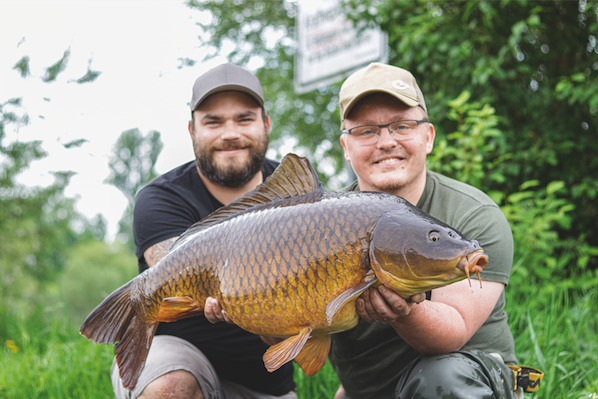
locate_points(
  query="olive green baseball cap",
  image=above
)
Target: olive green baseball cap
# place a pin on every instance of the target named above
(226, 77)
(380, 78)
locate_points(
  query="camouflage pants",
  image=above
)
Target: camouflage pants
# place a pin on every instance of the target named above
(466, 374)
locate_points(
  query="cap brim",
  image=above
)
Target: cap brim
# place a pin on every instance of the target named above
(405, 99)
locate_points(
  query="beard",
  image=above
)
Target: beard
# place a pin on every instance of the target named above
(234, 174)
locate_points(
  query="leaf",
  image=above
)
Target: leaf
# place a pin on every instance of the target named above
(23, 67)
(89, 76)
(59, 66)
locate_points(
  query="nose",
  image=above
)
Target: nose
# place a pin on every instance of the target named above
(385, 139)
(230, 131)
(475, 244)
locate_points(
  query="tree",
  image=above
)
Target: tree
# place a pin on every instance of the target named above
(532, 62)
(132, 165)
(37, 224)
(94, 269)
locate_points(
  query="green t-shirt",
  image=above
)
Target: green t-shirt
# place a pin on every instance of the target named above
(370, 358)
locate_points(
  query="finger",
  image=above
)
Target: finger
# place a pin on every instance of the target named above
(397, 305)
(373, 305)
(418, 298)
(361, 311)
(209, 311)
(214, 312)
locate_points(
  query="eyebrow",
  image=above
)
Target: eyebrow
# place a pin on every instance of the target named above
(395, 118)
(240, 115)
(245, 114)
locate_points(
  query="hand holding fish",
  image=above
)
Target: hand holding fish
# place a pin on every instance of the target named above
(385, 306)
(214, 312)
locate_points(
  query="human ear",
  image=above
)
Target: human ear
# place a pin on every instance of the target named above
(345, 148)
(430, 136)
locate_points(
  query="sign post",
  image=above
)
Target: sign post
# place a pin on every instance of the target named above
(330, 47)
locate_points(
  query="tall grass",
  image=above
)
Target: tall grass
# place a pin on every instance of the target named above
(555, 330)
(52, 361)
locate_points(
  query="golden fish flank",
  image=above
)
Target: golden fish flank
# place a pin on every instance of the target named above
(287, 260)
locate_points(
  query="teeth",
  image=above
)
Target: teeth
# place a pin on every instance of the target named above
(390, 160)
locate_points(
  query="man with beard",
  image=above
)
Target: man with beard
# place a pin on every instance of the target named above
(193, 358)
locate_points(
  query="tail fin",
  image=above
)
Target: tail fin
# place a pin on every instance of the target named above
(114, 321)
(109, 320)
(132, 349)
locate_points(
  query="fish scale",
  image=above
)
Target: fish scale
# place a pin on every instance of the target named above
(287, 260)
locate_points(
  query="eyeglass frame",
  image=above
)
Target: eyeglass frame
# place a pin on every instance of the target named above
(386, 125)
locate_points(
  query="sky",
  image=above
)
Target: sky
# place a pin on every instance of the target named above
(136, 45)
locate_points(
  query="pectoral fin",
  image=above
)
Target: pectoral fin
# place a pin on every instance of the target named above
(314, 354)
(334, 306)
(285, 351)
(177, 308)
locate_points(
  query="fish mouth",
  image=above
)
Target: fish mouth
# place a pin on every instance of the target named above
(474, 262)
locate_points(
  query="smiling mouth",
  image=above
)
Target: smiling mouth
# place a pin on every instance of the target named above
(231, 148)
(389, 160)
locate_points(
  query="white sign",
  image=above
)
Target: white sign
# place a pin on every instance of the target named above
(330, 48)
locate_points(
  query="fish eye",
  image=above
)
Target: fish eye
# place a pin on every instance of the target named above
(434, 236)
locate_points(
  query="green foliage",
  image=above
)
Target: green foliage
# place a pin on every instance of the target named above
(23, 67)
(93, 270)
(55, 69)
(555, 329)
(541, 217)
(133, 161)
(537, 215)
(322, 385)
(37, 224)
(52, 361)
(473, 152)
(89, 76)
(132, 165)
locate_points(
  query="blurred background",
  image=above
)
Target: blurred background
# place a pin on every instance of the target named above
(94, 104)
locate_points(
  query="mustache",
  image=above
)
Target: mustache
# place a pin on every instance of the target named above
(233, 145)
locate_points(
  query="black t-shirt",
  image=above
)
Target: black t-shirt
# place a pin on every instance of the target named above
(165, 208)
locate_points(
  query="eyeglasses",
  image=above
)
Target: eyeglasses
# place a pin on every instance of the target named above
(399, 130)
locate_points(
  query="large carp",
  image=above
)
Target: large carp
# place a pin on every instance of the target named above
(286, 260)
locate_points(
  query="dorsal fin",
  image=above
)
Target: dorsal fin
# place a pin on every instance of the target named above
(294, 176)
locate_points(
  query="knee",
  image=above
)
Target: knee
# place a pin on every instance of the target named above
(177, 384)
(443, 376)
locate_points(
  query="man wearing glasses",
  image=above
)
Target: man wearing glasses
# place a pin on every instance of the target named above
(456, 343)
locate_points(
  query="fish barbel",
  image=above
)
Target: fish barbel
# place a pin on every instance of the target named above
(287, 260)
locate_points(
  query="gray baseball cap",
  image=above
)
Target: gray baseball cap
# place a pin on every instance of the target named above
(226, 77)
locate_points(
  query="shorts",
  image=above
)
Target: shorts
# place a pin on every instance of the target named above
(169, 353)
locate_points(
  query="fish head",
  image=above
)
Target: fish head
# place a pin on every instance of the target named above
(411, 252)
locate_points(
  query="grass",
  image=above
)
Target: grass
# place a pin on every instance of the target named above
(555, 329)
